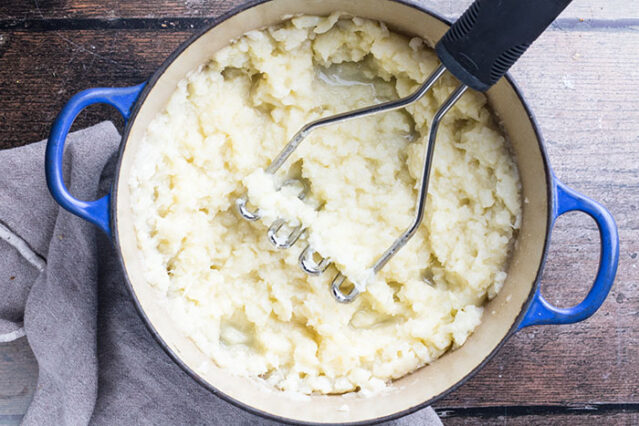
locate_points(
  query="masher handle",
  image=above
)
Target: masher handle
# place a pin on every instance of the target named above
(491, 35)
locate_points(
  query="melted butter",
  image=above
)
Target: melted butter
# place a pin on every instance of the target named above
(355, 74)
(340, 79)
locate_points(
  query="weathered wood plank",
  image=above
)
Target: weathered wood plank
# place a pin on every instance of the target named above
(580, 85)
(18, 375)
(615, 419)
(622, 11)
(39, 72)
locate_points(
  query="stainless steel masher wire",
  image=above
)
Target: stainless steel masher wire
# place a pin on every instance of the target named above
(400, 242)
(295, 141)
(306, 262)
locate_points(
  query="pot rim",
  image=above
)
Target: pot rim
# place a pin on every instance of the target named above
(194, 375)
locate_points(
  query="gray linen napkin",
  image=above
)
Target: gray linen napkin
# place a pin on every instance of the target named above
(62, 286)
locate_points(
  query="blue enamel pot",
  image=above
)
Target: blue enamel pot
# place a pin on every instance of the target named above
(520, 303)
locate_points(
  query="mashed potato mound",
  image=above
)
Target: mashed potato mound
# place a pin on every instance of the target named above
(248, 305)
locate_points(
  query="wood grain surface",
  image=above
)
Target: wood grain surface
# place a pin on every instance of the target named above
(580, 78)
(18, 10)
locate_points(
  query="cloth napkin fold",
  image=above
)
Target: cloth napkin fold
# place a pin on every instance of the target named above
(62, 286)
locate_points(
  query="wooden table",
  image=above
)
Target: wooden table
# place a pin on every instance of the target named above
(582, 80)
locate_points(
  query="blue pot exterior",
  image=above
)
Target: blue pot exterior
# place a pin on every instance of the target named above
(536, 311)
(565, 200)
(96, 212)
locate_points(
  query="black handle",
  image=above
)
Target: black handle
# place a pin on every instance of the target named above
(491, 35)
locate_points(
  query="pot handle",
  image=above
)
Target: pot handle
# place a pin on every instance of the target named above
(96, 212)
(542, 312)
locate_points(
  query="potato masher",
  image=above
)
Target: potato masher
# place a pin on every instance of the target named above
(478, 49)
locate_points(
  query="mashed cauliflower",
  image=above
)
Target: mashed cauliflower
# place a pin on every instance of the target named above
(248, 305)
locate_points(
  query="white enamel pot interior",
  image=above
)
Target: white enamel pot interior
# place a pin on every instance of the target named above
(427, 384)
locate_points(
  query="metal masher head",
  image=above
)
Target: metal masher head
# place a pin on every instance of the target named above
(274, 231)
(478, 49)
